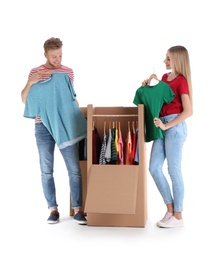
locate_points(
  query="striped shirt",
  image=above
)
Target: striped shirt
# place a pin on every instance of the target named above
(44, 69)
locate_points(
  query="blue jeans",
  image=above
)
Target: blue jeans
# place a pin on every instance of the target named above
(70, 154)
(170, 148)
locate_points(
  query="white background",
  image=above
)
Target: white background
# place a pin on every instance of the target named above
(112, 46)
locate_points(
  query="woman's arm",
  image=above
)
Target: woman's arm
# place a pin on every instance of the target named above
(187, 112)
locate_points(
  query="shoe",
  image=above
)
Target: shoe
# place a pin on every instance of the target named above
(54, 217)
(80, 218)
(171, 223)
(165, 218)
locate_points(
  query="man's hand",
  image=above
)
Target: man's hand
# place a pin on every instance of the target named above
(36, 77)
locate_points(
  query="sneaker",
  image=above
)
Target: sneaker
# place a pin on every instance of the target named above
(171, 223)
(54, 217)
(80, 218)
(165, 218)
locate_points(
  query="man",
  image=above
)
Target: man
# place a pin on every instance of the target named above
(40, 80)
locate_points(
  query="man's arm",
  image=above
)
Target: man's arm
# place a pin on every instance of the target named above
(35, 77)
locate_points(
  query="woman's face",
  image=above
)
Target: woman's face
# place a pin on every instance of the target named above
(167, 61)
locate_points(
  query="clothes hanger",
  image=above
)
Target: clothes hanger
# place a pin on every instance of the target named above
(119, 126)
(104, 130)
(93, 125)
(128, 126)
(153, 77)
(44, 72)
(133, 127)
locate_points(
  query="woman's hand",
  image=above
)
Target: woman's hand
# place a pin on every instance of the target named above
(159, 123)
(145, 82)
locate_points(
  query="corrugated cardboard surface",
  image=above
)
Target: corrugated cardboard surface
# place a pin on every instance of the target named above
(116, 194)
(112, 189)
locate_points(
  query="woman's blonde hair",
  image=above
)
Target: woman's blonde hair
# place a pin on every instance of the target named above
(180, 63)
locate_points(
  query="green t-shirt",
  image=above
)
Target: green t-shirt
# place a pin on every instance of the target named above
(153, 98)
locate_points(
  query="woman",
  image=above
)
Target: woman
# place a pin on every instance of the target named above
(172, 122)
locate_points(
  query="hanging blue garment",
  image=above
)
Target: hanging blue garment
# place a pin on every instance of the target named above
(54, 100)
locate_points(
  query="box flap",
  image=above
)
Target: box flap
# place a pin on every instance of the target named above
(112, 189)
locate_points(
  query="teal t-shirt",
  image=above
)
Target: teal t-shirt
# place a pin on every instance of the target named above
(54, 101)
(153, 98)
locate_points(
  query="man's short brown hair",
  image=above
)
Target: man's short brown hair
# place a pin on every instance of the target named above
(52, 44)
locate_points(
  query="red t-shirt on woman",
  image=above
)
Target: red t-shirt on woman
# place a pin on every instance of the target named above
(179, 86)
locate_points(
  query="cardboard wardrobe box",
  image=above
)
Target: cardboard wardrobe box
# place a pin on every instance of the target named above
(116, 194)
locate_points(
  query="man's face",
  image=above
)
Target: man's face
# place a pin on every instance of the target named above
(54, 58)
